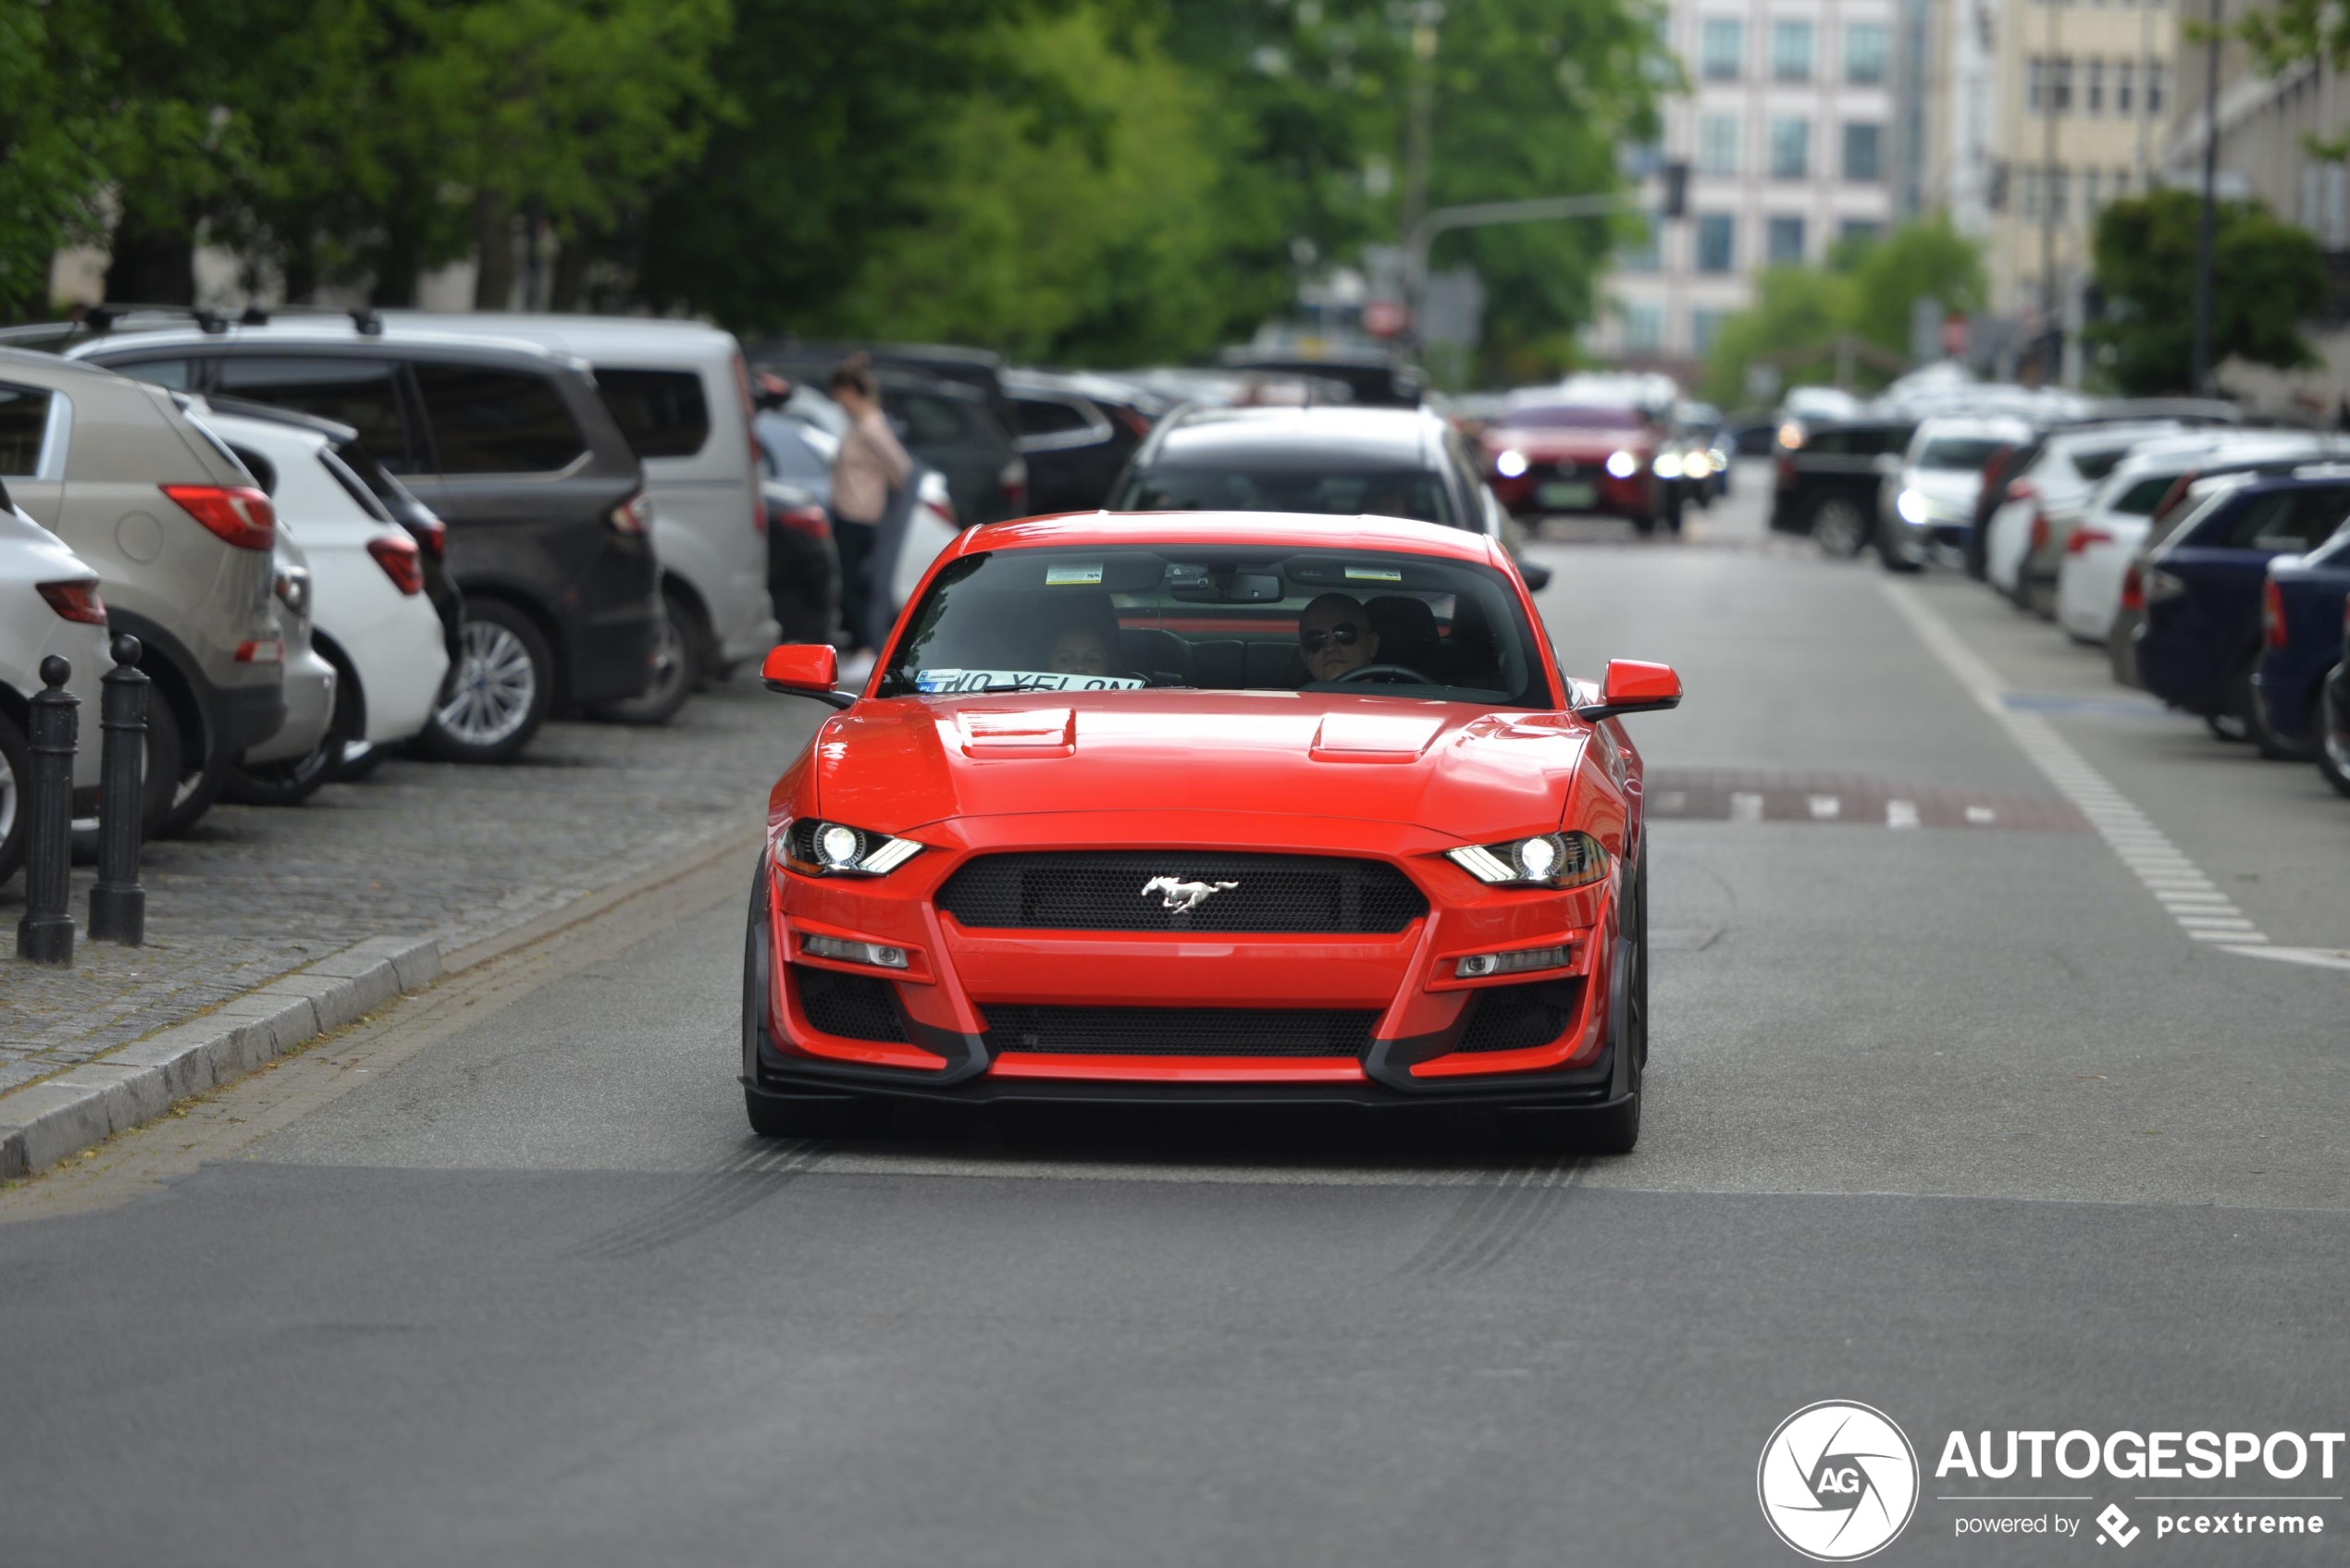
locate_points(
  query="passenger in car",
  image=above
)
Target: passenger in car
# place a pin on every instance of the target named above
(1080, 650)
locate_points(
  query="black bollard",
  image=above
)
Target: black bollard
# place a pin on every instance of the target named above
(45, 934)
(117, 904)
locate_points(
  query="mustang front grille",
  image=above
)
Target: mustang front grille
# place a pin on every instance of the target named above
(1181, 890)
(1178, 1032)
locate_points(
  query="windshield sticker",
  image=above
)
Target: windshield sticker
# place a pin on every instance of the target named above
(1373, 574)
(944, 683)
(1074, 575)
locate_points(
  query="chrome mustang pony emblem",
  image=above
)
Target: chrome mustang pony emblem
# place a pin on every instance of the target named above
(1184, 896)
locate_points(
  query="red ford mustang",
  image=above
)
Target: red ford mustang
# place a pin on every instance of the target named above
(1208, 808)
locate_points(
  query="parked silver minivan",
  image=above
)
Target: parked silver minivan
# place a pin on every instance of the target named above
(181, 540)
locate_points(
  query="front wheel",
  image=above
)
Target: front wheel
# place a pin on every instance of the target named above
(504, 683)
(1838, 528)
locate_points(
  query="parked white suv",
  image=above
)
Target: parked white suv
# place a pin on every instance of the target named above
(49, 603)
(681, 394)
(368, 614)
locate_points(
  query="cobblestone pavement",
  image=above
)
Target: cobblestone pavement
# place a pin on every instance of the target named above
(427, 848)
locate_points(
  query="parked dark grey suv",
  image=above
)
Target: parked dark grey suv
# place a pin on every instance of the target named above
(512, 447)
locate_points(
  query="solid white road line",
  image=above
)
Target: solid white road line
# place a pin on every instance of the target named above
(2202, 911)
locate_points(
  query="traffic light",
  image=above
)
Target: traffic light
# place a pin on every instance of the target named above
(1676, 189)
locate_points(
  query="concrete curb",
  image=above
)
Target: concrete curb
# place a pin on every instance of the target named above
(57, 1117)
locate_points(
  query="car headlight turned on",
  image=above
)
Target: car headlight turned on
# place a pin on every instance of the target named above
(1550, 859)
(1912, 506)
(1510, 464)
(1622, 464)
(1667, 465)
(818, 848)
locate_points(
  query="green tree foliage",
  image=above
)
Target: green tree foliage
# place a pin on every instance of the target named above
(2267, 276)
(50, 131)
(1796, 314)
(1920, 261)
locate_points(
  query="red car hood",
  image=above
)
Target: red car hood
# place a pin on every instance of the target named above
(1451, 768)
(1583, 446)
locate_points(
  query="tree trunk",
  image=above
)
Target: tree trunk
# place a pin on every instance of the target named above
(152, 266)
(494, 242)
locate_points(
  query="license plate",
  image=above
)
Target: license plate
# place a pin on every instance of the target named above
(1566, 497)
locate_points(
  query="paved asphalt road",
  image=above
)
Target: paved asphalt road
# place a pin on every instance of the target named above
(1957, 1120)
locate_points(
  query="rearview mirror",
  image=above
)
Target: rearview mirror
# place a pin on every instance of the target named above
(1633, 685)
(801, 668)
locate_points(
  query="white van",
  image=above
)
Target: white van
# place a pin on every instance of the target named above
(679, 391)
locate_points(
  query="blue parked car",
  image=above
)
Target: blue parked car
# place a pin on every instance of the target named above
(2301, 624)
(2201, 641)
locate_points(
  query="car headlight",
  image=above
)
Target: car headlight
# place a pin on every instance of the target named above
(1668, 465)
(1510, 464)
(1622, 464)
(1912, 507)
(818, 848)
(1550, 859)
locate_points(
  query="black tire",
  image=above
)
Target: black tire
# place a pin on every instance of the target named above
(178, 791)
(2265, 738)
(681, 655)
(1838, 527)
(502, 691)
(2332, 729)
(1615, 1129)
(16, 769)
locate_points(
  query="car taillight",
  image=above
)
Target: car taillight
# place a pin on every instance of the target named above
(809, 521)
(2273, 613)
(2133, 588)
(631, 516)
(75, 601)
(431, 535)
(2039, 532)
(2083, 538)
(396, 553)
(239, 514)
(1786, 473)
(268, 651)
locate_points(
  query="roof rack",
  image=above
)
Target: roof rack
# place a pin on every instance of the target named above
(103, 317)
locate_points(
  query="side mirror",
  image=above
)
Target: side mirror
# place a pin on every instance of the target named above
(1633, 685)
(802, 669)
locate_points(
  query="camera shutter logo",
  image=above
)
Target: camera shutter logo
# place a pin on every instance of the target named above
(1838, 1481)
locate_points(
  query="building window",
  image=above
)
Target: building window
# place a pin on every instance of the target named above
(1790, 149)
(1863, 151)
(1722, 49)
(1790, 51)
(2156, 79)
(2123, 71)
(2093, 86)
(2031, 193)
(1641, 254)
(1643, 329)
(1857, 231)
(1715, 251)
(2049, 84)
(1705, 327)
(1867, 47)
(1717, 144)
(1783, 242)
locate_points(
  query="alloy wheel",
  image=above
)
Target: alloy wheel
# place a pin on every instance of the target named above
(9, 794)
(495, 687)
(1836, 529)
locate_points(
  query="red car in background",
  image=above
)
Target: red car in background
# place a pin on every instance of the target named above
(1589, 458)
(1209, 807)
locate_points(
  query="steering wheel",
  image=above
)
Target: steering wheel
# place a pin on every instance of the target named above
(1402, 673)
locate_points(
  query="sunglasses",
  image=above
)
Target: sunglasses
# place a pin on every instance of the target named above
(1346, 634)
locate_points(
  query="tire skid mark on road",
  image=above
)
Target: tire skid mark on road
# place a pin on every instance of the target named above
(1501, 1211)
(758, 1175)
(2189, 897)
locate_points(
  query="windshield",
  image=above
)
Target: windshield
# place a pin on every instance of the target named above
(1959, 451)
(1220, 618)
(1414, 493)
(1570, 417)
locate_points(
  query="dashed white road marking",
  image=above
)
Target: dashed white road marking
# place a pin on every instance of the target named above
(1824, 807)
(1746, 807)
(2202, 911)
(1981, 814)
(1900, 813)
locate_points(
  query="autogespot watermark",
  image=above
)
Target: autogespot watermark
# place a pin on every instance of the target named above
(1838, 1481)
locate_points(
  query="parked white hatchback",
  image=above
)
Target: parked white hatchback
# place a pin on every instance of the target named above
(680, 392)
(2057, 483)
(49, 604)
(368, 614)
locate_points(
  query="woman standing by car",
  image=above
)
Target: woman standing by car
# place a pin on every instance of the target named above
(869, 466)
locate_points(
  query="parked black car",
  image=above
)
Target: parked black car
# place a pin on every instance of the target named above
(512, 446)
(1077, 433)
(1827, 487)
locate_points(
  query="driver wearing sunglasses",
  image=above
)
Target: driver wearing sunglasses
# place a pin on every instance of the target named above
(1335, 635)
